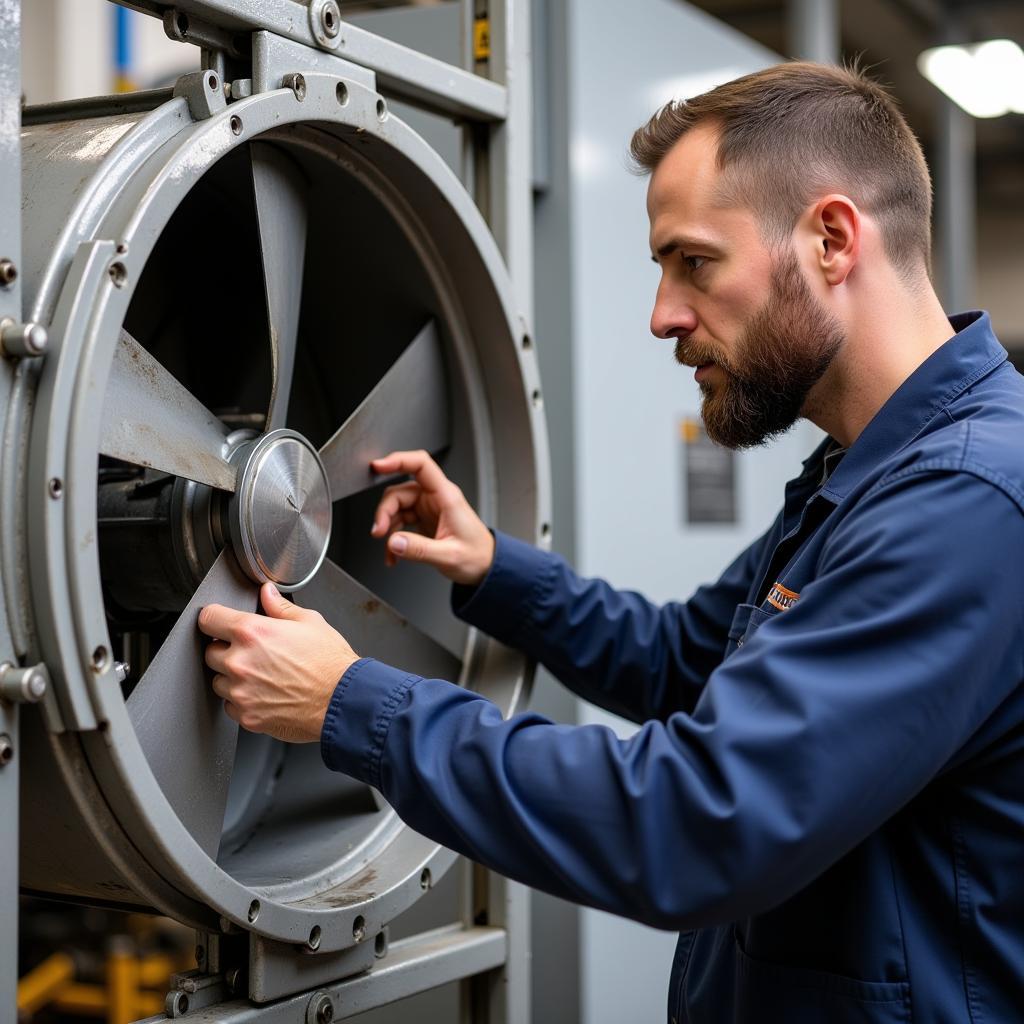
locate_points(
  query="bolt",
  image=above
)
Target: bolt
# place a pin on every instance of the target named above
(323, 1010)
(6, 750)
(330, 19)
(22, 685)
(8, 273)
(22, 339)
(121, 670)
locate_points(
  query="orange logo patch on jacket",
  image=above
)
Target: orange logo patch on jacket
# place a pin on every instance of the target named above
(782, 598)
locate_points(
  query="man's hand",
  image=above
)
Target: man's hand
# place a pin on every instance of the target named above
(277, 672)
(452, 537)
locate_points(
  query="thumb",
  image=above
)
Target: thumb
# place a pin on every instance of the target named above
(276, 605)
(414, 547)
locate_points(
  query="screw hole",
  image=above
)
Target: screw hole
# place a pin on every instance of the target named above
(329, 18)
(182, 1001)
(55, 488)
(122, 249)
(236, 124)
(6, 750)
(100, 659)
(545, 530)
(536, 398)
(382, 110)
(426, 881)
(254, 911)
(359, 929)
(212, 83)
(118, 274)
(342, 93)
(380, 944)
(182, 23)
(527, 342)
(314, 937)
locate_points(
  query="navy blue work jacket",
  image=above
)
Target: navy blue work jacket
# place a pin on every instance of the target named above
(826, 794)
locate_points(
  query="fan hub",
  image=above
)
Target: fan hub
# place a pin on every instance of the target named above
(280, 514)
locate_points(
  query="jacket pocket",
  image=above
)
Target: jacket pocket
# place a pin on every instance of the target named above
(745, 623)
(797, 995)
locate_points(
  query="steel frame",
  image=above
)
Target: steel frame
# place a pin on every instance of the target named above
(10, 307)
(490, 95)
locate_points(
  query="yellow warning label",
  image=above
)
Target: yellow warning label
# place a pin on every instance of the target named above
(482, 39)
(689, 430)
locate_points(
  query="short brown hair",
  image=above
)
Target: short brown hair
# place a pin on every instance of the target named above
(796, 131)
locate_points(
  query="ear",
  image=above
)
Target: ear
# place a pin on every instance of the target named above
(835, 223)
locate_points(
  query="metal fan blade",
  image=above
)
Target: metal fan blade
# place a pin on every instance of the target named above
(281, 213)
(150, 419)
(180, 722)
(373, 628)
(408, 408)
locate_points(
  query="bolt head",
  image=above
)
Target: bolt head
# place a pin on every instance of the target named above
(330, 19)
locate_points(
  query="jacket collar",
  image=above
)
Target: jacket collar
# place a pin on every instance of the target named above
(972, 353)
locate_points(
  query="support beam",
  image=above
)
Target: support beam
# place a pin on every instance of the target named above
(813, 30)
(955, 206)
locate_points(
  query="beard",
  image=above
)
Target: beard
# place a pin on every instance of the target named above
(783, 351)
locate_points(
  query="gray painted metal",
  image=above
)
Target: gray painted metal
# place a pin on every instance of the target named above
(281, 213)
(118, 181)
(10, 306)
(276, 971)
(180, 724)
(813, 30)
(148, 167)
(281, 513)
(401, 71)
(149, 419)
(956, 202)
(271, 54)
(373, 627)
(407, 409)
(412, 966)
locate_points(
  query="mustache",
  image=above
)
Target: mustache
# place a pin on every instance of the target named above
(695, 353)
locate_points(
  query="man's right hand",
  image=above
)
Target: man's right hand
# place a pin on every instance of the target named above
(451, 536)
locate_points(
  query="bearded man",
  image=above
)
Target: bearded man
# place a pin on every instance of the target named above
(826, 794)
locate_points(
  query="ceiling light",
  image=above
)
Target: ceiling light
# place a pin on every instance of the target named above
(986, 79)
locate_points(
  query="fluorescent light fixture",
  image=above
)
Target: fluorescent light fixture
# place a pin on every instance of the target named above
(986, 79)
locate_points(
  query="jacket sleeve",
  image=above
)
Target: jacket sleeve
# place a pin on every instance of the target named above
(614, 648)
(823, 725)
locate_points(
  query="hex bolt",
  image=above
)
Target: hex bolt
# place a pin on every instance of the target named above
(8, 273)
(121, 670)
(6, 750)
(18, 340)
(23, 685)
(330, 19)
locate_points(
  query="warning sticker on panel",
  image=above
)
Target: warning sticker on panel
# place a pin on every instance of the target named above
(709, 476)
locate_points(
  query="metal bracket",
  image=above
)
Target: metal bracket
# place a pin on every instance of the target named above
(186, 28)
(204, 93)
(194, 990)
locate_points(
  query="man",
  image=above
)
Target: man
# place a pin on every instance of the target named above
(826, 795)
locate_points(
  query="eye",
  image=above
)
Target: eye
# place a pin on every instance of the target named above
(695, 262)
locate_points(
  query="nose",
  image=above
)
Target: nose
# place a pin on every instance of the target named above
(673, 316)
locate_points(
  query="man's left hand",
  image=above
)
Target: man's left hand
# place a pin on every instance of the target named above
(276, 672)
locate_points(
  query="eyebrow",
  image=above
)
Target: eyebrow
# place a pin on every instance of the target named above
(685, 243)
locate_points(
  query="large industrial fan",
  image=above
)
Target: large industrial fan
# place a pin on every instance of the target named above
(251, 289)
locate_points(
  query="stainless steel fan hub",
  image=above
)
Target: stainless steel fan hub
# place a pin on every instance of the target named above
(280, 513)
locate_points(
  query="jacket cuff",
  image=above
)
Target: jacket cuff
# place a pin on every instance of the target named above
(502, 603)
(358, 718)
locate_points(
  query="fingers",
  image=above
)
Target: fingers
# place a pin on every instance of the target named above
(216, 653)
(414, 547)
(276, 605)
(396, 503)
(218, 621)
(419, 464)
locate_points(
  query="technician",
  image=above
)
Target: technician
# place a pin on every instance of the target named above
(826, 794)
